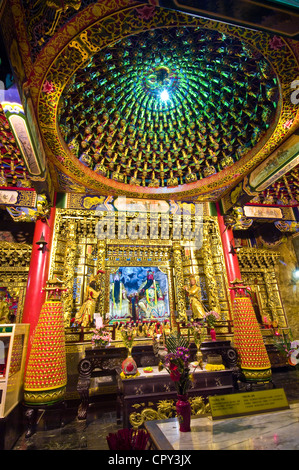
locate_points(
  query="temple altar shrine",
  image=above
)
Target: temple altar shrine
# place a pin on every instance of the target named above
(149, 184)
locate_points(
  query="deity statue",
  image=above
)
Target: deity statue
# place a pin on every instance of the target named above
(119, 303)
(194, 293)
(85, 315)
(152, 303)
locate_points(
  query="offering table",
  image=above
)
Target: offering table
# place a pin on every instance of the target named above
(100, 362)
(152, 395)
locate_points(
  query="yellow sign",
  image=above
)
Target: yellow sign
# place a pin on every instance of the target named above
(239, 404)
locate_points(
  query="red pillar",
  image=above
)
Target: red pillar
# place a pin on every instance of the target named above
(38, 275)
(230, 256)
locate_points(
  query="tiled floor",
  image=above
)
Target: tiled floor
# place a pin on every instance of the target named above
(101, 420)
(89, 434)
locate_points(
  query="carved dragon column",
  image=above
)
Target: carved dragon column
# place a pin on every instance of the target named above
(271, 300)
(101, 256)
(69, 267)
(179, 278)
(209, 270)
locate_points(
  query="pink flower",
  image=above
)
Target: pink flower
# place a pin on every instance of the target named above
(146, 12)
(276, 43)
(48, 87)
(288, 123)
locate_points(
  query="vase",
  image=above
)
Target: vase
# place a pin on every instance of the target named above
(213, 334)
(183, 409)
(129, 366)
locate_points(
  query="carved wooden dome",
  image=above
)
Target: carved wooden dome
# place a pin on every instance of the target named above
(168, 106)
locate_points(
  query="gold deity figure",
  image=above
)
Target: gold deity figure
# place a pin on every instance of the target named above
(194, 293)
(86, 313)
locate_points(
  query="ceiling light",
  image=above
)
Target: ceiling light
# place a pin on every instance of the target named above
(164, 95)
(295, 274)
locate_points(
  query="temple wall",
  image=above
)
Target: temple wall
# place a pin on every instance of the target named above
(288, 290)
(15, 253)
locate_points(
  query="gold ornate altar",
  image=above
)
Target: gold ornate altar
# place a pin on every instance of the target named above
(77, 254)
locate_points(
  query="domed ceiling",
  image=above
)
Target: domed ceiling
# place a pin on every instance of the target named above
(168, 107)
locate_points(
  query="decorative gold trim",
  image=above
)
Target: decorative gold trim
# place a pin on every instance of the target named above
(40, 397)
(262, 375)
(165, 409)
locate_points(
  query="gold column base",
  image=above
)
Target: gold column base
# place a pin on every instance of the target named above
(44, 397)
(254, 375)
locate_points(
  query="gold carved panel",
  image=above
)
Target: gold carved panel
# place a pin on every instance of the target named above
(258, 272)
(172, 256)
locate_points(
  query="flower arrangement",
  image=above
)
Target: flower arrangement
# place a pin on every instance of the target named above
(211, 317)
(176, 362)
(101, 337)
(195, 329)
(294, 353)
(128, 334)
(177, 365)
(289, 348)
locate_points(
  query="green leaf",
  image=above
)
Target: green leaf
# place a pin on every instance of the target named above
(175, 341)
